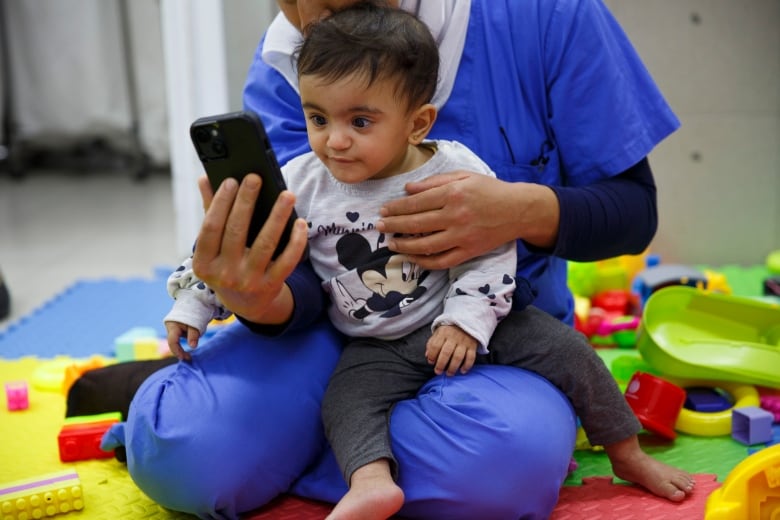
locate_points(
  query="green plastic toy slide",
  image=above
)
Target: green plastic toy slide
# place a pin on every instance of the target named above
(693, 334)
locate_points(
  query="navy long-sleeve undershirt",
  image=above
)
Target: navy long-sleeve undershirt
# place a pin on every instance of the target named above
(610, 218)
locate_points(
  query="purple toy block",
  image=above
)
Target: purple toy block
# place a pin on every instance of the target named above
(708, 400)
(16, 396)
(751, 425)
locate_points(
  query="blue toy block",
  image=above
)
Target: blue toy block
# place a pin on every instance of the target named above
(707, 400)
(751, 425)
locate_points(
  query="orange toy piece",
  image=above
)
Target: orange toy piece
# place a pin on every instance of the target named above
(751, 490)
(76, 370)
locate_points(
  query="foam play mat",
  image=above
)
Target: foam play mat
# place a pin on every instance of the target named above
(85, 320)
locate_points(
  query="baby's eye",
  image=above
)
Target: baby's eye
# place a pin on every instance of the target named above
(318, 120)
(361, 122)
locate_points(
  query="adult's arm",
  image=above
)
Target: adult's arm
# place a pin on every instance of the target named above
(609, 218)
(268, 94)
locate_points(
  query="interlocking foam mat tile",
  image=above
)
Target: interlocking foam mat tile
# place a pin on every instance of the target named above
(28, 448)
(86, 319)
(601, 498)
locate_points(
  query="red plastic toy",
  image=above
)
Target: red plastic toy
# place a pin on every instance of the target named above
(80, 438)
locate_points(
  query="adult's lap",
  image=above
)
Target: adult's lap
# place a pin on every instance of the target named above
(241, 424)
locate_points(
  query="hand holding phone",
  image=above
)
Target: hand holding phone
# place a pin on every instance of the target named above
(234, 145)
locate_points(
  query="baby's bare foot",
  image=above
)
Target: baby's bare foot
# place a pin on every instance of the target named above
(371, 496)
(630, 463)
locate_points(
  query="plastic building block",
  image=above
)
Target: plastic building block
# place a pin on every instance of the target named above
(705, 399)
(616, 301)
(751, 425)
(772, 286)
(42, 496)
(652, 279)
(773, 262)
(698, 335)
(108, 417)
(751, 489)
(76, 370)
(771, 403)
(17, 396)
(656, 403)
(137, 344)
(713, 424)
(49, 375)
(80, 437)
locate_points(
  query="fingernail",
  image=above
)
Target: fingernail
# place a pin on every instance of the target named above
(229, 185)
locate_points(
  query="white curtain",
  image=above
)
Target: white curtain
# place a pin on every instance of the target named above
(70, 72)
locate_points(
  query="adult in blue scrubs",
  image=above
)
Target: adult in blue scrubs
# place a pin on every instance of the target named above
(551, 94)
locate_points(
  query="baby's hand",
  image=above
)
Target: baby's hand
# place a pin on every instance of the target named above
(178, 330)
(450, 348)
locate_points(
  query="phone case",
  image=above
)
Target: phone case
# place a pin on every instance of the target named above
(233, 145)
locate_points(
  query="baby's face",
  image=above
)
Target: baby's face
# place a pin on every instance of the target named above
(303, 12)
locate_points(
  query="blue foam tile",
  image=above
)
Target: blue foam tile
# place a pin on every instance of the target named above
(87, 317)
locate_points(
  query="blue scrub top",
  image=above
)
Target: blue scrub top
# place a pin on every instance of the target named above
(548, 91)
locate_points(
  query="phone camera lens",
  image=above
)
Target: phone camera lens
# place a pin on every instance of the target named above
(218, 147)
(202, 135)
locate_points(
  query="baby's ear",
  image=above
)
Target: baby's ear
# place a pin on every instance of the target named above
(422, 121)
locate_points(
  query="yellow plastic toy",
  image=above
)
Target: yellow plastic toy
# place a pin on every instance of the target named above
(713, 424)
(751, 490)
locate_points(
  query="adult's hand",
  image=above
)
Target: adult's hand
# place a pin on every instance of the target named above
(246, 280)
(452, 217)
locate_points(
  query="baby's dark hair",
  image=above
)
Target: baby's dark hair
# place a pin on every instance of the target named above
(377, 42)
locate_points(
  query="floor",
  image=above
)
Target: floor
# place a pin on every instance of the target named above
(57, 227)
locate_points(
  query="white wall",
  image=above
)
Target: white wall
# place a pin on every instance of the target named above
(208, 45)
(245, 22)
(718, 63)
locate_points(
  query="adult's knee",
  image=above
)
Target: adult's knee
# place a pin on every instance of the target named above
(235, 427)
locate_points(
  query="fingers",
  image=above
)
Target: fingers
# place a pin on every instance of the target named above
(174, 333)
(267, 240)
(451, 353)
(450, 358)
(206, 193)
(410, 210)
(426, 195)
(468, 360)
(210, 238)
(193, 335)
(240, 213)
(291, 256)
(422, 245)
(226, 223)
(423, 221)
(434, 181)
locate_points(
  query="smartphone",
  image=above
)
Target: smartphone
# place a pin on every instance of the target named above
(234, 145)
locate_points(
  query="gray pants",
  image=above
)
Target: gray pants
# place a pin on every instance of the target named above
(372, 375)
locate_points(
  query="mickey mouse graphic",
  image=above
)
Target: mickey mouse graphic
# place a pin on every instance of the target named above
(393, 280)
